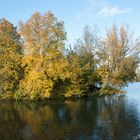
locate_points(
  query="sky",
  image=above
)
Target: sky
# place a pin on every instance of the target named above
(77, 13)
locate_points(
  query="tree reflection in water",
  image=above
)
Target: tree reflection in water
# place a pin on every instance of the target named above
(105, 118)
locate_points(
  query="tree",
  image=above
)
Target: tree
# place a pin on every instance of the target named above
(118, 59)
(9, 58)
(41, 33)
(87, 50)
(82, 61)
(44, 63)
(34, 63)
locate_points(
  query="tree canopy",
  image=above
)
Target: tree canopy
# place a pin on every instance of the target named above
(36, 64)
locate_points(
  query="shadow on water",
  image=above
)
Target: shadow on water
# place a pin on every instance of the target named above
(105, 118)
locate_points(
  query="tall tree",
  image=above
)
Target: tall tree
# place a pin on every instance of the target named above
(86, 49)
(118, 59)
(42, 32)
(10, 55)
(44, 63)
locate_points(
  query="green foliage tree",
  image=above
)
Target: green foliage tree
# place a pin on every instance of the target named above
(84, 58)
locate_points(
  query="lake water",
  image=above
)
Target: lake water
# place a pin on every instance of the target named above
(104, 118)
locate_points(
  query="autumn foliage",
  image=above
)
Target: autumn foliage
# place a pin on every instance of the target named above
(36, 64)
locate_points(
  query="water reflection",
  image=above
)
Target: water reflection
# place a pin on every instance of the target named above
(106, 118)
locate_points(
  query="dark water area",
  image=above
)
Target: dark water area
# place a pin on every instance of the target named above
(104, 118)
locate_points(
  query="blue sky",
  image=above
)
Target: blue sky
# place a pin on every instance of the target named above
(77, 13)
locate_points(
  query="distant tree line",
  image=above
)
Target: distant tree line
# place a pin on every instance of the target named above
(36, 64)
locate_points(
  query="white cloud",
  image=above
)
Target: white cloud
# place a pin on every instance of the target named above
(111, 11)
(91, 9)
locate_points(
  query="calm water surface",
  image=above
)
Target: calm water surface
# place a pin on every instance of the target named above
(105, 118)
